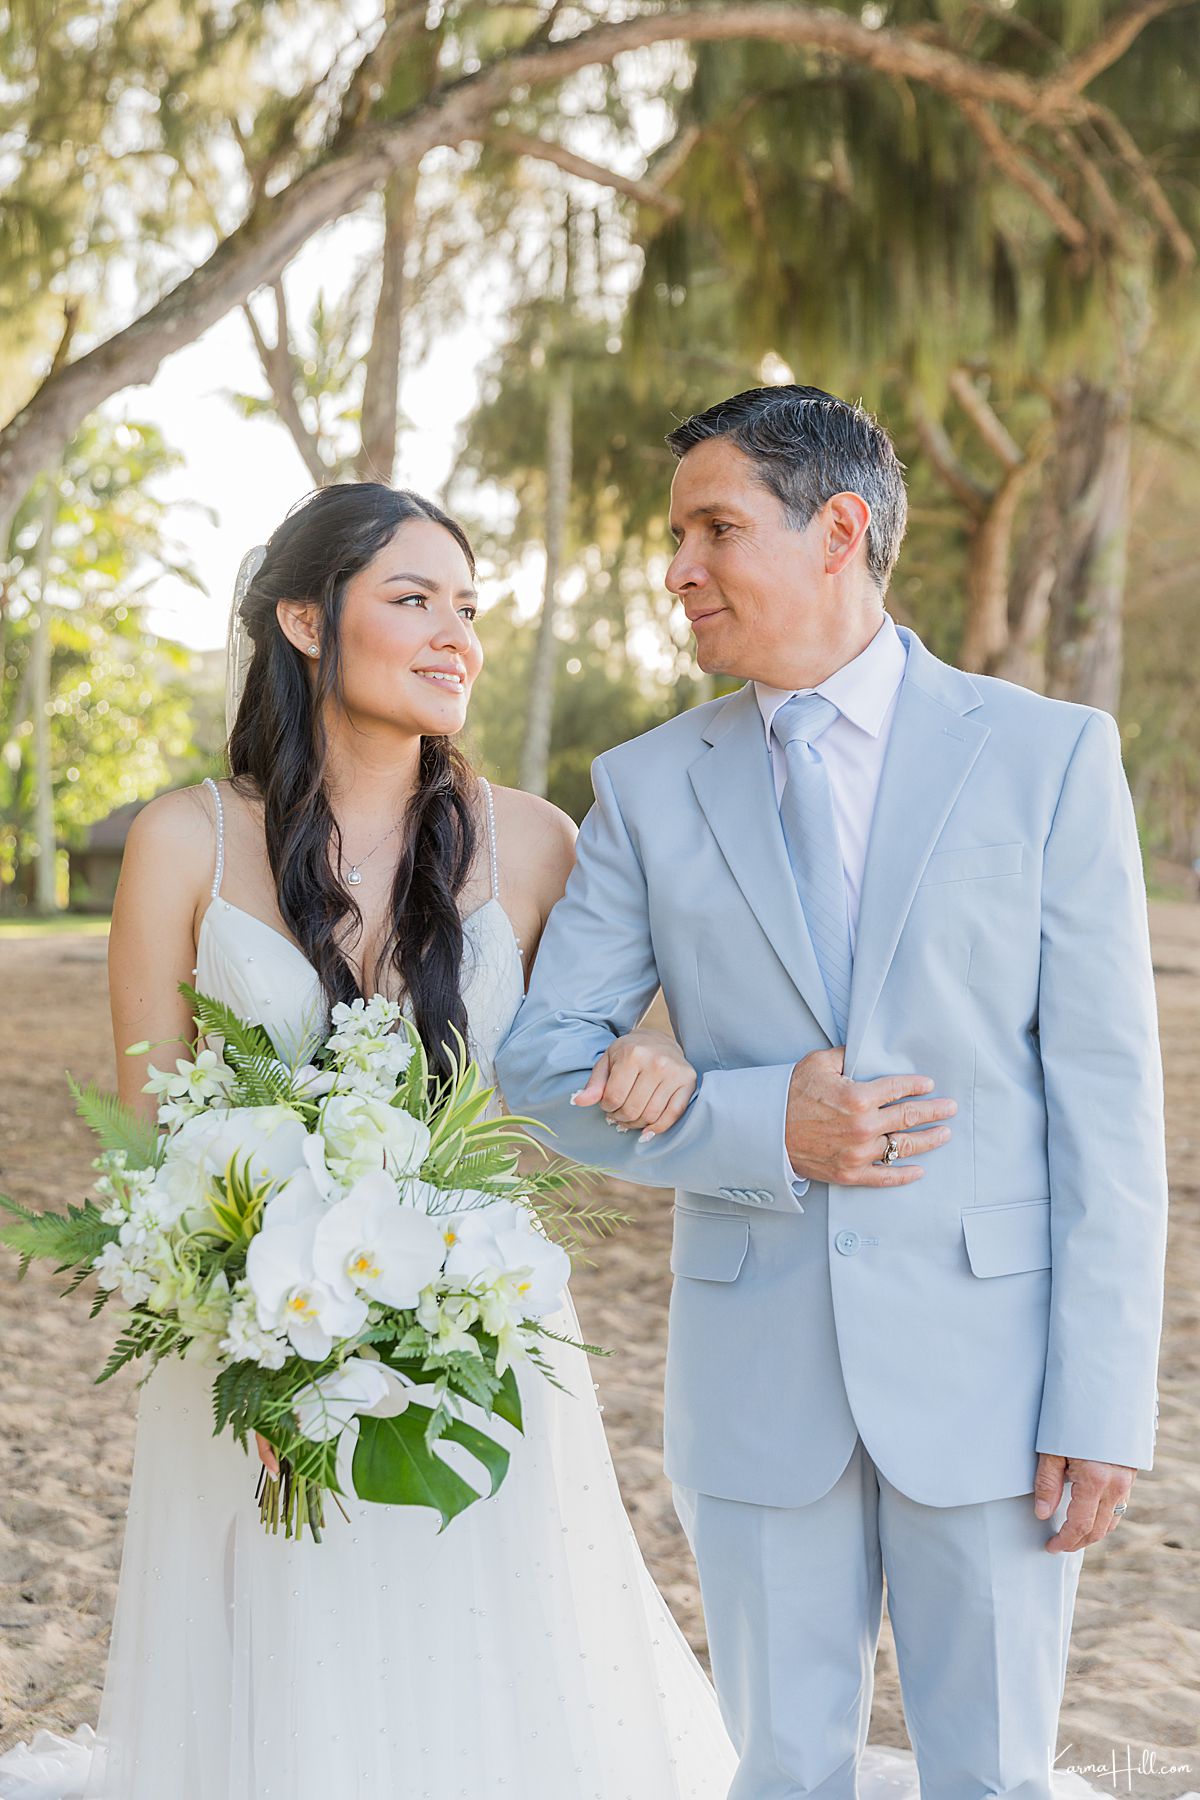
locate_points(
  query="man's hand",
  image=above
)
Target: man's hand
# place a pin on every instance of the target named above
(1096, 1487)
(837, 1129)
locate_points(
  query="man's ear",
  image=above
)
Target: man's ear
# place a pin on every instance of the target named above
(847, 517)
(299, 622)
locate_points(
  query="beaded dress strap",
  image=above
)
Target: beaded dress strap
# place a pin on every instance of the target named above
(216, 886)
(491, 812)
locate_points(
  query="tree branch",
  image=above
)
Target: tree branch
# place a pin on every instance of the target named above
(276, 360)
(1108, 48)
(935, 442)
(1015, 168)
(276, 228)
(990, 427)
(542, 150)
(1156, 200)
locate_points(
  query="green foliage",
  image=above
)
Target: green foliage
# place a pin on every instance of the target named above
(120, 704)
(237, 1206)
(117, 1125)
(395, 1464)
(66, 1239)
(247, 1049)
(143, 1333)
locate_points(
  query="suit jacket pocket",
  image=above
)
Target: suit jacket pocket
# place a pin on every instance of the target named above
(1010, 1239)
(708, 1246)
(973, 864)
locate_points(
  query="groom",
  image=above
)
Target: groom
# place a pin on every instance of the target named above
(898, 917)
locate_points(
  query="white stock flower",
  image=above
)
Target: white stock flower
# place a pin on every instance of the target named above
(326, 1406)
(117, 1267)
(245, 1340)
(291, 1297)
(370, 1244)
(363, 1133)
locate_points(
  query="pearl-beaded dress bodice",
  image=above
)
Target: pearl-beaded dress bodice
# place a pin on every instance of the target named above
(263, 976)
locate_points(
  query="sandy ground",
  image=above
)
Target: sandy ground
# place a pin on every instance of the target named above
(66, 1446)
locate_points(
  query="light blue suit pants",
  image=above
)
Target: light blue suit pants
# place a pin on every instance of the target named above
(980, 1611)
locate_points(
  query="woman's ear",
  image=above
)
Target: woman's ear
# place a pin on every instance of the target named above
(298, 623)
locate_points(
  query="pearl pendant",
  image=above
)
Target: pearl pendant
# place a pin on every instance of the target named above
(354, 877)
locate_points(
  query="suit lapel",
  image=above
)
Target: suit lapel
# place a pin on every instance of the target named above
(930, 753)
(735, 787)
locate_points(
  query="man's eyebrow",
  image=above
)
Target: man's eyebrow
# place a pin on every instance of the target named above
(431, 587)
(710, 510)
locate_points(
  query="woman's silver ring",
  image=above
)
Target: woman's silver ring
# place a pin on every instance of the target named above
(1120, 1507)
(892, 1153)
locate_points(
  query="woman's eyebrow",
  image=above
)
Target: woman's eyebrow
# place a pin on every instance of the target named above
(431, 587)
(414, 580)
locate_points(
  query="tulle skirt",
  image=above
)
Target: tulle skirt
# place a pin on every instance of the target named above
(523, 1653)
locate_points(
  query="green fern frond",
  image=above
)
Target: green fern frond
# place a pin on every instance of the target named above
(143, 1333)
(116, 1125)
(67, 1239)
(247, 1048)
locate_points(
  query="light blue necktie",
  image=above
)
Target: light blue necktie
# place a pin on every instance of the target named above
(810, 832)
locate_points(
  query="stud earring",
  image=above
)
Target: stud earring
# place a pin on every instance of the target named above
(313, 650)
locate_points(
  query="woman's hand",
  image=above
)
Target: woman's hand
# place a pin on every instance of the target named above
(270, 1460)
(643, 1082)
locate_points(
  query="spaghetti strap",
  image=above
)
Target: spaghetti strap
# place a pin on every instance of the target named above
(216, 886)
(491, 813)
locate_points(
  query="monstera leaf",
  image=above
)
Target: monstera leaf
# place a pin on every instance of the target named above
(394, 1464)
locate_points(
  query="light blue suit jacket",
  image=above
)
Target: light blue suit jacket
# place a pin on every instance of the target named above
(1010, 1302)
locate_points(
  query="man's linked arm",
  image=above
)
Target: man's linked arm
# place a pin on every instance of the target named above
(593, 978)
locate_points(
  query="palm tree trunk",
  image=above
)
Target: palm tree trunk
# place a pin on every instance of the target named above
(1090, 474)
(381, 391)
(45, 892)
(535, 754)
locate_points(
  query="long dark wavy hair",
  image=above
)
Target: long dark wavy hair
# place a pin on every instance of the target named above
(277, 751)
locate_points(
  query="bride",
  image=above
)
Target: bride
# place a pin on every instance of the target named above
(525, 1653)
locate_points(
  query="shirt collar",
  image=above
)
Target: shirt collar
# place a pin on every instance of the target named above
(862, 689)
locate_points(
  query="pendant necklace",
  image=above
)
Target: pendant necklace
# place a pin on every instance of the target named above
(355, 875)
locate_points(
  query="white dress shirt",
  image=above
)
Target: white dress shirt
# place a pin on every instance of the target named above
(853, 747)
(865, 692)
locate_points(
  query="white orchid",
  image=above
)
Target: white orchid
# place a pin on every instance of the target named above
(292, 1298)
(448, 1319)
(363, 1133)
(502, 1240)
(370, 1244)
(309, 1082)
(325, 1407)
(206, 1081)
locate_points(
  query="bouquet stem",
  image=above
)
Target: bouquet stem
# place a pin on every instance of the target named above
(291, 1499)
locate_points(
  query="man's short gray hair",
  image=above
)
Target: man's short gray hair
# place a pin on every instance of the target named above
(808, 445)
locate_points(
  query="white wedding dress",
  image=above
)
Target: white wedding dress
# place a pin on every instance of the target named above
(523, 1654)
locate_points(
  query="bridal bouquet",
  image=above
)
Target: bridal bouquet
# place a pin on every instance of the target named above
(334, 1237)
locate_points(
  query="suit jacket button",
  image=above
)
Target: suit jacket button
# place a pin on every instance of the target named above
(847, 1242)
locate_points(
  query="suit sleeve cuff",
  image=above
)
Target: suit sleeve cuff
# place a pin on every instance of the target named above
(797, 1183)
